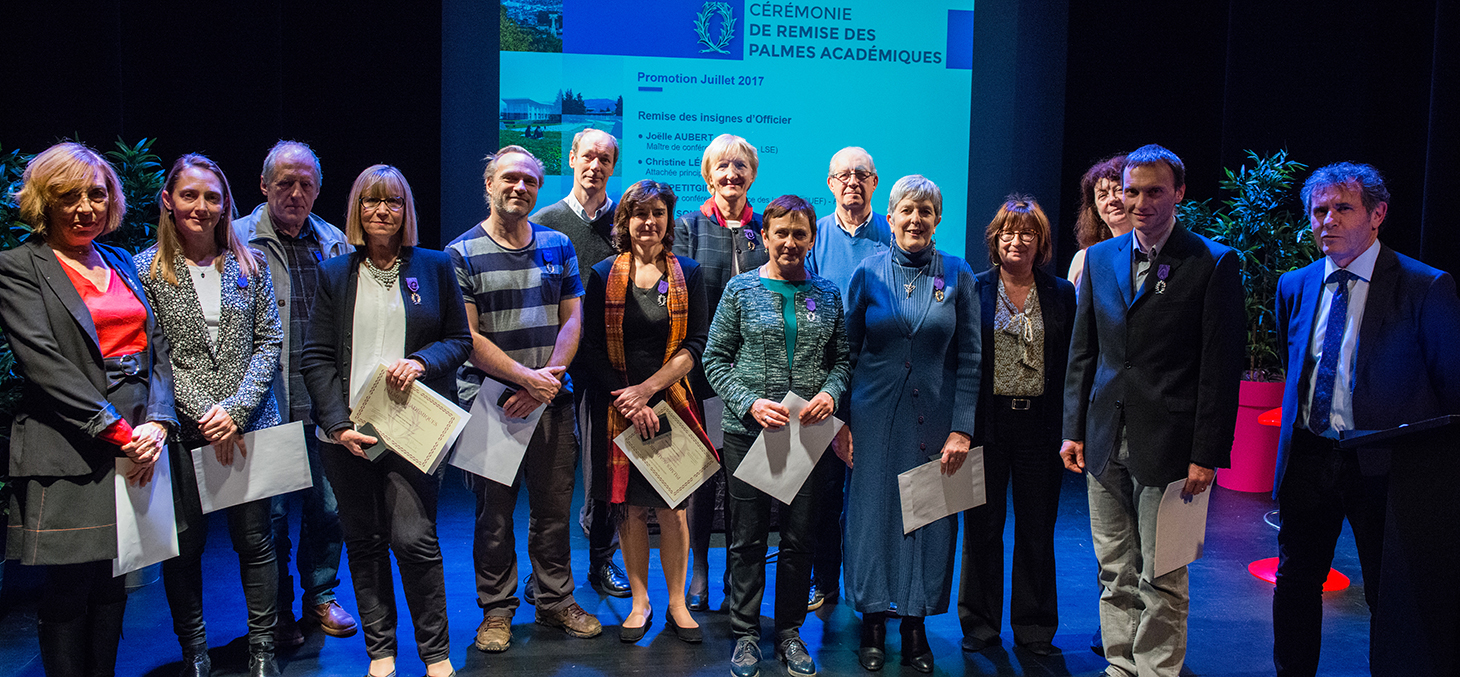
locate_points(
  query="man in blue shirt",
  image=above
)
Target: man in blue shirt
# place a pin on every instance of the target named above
(843, 238)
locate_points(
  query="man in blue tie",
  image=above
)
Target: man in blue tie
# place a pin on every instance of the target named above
(1366, 330)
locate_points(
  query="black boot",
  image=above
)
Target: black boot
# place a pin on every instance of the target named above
(873, 652)
(63, 646)
(105, 622)
(915, 651)
(195, 662)
(261, 661)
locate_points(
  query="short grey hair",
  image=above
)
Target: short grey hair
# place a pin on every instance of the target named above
(850, 152)
(916, 187)
(286, 148)
(578, 138)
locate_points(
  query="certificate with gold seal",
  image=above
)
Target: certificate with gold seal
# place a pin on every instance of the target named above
(675, 462)
(416, 423)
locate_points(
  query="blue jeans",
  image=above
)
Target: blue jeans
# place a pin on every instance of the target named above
(320, 538)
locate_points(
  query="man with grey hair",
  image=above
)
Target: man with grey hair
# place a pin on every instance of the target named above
(295, 242)
(524, 306)
(844, 238)
(1367, 333)
(585, 215)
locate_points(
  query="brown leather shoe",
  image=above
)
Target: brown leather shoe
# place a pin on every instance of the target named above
(572, 619)
(332, 619)
(286, 631)
(494, 634)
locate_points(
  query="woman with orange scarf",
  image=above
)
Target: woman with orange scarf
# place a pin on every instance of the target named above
(645, 325)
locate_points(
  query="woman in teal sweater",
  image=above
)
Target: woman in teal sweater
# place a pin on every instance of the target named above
(778, 329)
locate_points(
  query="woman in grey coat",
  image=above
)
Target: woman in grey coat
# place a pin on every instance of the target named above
(215, 302)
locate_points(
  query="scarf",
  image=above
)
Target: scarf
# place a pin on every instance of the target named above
(678, 395)
(712, 209)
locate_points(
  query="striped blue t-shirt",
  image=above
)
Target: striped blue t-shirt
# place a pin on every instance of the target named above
(516, 293)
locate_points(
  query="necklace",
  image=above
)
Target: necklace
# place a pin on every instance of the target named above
(911, 285)
(386, 277)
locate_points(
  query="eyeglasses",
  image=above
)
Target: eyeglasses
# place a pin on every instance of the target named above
(845, 176)
(394, 204)
(1025, 236)
(95, 196)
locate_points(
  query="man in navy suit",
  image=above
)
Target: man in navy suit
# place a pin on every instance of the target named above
(1150, 399)
(1366, 331)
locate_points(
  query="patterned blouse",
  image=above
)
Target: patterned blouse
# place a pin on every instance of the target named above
(1018, 346)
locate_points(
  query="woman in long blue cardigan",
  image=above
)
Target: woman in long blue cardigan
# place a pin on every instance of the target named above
(913, 330)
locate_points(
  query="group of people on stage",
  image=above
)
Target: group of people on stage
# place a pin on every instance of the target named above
(595, 311)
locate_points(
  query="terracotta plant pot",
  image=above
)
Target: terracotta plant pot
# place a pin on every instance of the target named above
(1254, 449)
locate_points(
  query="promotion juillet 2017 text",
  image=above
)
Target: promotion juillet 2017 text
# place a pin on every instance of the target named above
(706, 79)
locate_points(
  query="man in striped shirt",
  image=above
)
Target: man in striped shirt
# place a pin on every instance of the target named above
(524, 305)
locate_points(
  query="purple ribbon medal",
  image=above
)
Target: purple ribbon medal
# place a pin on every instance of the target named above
(415, 286)
(938, 285)
(750, 235)
(663, 291)
(1162, 272)
(811, 309)
(242, 282)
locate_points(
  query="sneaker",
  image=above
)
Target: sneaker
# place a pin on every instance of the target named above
(572, 619)
(494, 634)
(818, 597)
(792, 653)
(610, 580)
(745, 662)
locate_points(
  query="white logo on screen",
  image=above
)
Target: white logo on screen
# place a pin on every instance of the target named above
(727, 26)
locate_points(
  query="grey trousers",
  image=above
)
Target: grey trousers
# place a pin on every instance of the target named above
(547, 470)
(1142, 617)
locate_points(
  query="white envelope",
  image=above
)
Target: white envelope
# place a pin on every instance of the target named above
(146, 524)
(1181, 527)
(928, 495)
(779, 461)
(277, 463)
(492, 445)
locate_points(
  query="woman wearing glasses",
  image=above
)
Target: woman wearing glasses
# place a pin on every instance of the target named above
(913, 326)
(387, 303)
(215, 302)
(1027, 316)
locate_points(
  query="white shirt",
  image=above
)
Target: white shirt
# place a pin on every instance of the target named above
(855, 230)
(208, 283)
(1341, 415)
(582, 213)
(380, 330)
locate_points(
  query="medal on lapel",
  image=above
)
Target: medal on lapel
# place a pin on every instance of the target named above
(750, 235)
(1162, 272)
(811, 309)
(242, 281)
(415, 287)
(663, 291)
(938, 285)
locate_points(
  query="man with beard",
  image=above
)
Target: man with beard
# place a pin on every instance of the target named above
(523, 298)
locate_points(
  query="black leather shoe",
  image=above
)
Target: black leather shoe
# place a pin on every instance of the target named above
(196, 663)
(630, 635)
(1097, 644)
(1040, 648)
(261, 662)
(608, 579)
(915, 650)
(700, 602)
(529, 589)
(974, 644)
(745, 662)
(873, 652)
(792, 653)
(693, 635)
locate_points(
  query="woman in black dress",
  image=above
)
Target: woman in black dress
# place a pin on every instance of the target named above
(645, 319)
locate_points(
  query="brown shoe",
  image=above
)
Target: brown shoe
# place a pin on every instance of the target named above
(286, 631)
(572, 619)
(494, 634)
(332, 619)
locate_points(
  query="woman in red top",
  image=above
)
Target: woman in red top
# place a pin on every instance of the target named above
(98, 386)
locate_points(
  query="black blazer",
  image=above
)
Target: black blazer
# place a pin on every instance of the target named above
(64, 406)
(436, 331)
(1057, 310)
(1166, 364)
(1406, 369)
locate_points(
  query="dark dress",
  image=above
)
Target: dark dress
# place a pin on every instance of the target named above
(645, 331)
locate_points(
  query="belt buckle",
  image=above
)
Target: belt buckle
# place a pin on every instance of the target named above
(1020, 404)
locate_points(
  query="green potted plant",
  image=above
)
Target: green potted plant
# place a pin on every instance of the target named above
(1263, 220)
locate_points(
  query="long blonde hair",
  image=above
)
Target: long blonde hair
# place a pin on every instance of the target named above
(169, 244)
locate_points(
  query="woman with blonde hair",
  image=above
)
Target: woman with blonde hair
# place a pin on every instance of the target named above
(98, 385)
(215, 302)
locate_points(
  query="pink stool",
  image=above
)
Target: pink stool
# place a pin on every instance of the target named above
(1266, 569)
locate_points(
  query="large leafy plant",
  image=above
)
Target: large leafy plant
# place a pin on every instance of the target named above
(1264, 221)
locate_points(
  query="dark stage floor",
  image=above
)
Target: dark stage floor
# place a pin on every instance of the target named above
(1230, 626)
